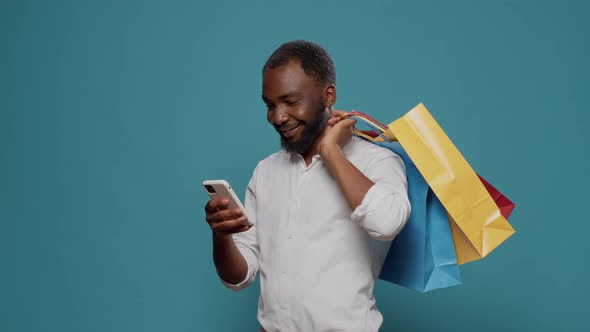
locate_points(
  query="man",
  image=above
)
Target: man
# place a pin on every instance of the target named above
(324, 209)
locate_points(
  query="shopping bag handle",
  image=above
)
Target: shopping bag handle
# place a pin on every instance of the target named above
(383, 132)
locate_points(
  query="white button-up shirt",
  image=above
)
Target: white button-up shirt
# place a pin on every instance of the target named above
(318, 260)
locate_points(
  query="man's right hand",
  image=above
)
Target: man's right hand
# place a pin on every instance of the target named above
(224, 221)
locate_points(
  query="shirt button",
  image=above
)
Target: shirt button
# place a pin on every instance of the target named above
(290, 236)
(283, 307)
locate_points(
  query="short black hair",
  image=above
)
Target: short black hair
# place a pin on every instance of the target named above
(314, 60)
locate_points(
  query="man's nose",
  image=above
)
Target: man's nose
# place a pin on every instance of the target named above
(279, 116)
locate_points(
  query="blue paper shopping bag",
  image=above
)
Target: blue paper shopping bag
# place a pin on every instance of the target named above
(422, 256)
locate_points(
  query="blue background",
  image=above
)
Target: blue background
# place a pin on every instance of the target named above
(113, 112)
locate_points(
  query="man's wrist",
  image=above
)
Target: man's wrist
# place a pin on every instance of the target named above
(221, 237)
(330, 152)
(328, 149)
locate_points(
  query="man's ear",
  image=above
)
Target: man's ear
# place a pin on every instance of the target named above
(330, 96)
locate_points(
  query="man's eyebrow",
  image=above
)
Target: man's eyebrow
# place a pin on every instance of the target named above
(287, 95)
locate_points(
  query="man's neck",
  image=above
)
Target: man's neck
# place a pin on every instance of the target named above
(313, 150)
(315, 146)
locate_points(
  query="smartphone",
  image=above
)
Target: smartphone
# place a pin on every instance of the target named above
(222, 188)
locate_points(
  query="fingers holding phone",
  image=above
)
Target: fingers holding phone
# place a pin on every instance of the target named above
(225, 214)
(223, 220)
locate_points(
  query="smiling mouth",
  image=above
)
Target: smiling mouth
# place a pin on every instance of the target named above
(290, 132)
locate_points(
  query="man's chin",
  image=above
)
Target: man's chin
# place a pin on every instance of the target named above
(291, 140)
(294, 145)
(302, 141)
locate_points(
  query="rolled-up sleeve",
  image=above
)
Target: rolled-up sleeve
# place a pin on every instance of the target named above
(385, 209)
(247, 242)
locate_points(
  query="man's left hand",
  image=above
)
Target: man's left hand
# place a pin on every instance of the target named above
(338, 132)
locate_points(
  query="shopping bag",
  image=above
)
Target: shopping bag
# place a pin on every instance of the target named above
(504, 203)
(462, 247)
(477, 223)
(422, 256)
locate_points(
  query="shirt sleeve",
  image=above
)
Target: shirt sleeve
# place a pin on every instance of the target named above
(247, 242)
(385, 209)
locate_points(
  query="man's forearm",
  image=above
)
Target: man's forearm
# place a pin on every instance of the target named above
(353, 184)
(231, 265)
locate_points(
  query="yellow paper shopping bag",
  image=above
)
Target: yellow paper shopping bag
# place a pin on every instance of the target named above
(477, 225)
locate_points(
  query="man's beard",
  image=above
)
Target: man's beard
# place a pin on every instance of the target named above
(310, 132)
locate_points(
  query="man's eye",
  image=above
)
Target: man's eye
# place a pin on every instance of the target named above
(291, 102)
